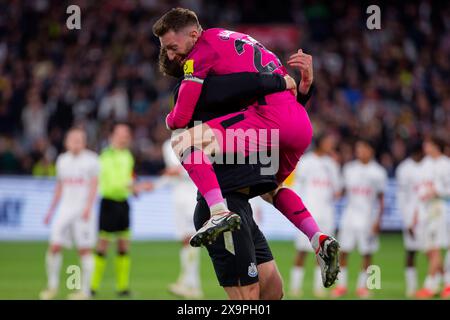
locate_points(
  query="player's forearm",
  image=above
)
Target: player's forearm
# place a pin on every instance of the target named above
(381, 206)
(233, 92)
(56, 197)
(183, 110)
(92, 194)
(306, 93)
(401, 196)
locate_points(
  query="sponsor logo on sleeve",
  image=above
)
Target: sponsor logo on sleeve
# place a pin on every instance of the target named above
(188, 67)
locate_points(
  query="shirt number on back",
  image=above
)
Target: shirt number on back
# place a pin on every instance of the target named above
(257, 55)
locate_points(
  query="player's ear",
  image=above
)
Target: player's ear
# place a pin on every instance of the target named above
(194, 33)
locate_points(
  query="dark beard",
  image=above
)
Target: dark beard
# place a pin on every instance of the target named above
(167, 67)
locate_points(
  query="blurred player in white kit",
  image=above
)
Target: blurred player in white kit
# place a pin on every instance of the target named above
(318, 181)
(408, 176)
(364, 184)
(432, 221)
(76, 191)
(184, 199)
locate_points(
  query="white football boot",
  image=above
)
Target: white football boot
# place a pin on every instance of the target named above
(327, 254)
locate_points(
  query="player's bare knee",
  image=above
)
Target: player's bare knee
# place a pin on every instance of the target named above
(270, 281)
(267, 197)
(209, 142)
(180, 143)
(367, 261)
(55, 248)
(102, 246)
(410, 255)
(234, 293)
(300, 258)
(274, 291)
(122, 246)
(270, 196)
(251, 292)
(84, 251)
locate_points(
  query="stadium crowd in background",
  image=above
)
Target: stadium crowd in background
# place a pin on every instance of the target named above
(388, 85)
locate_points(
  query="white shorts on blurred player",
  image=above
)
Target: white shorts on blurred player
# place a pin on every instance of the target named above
(432, 229)
(69, 228)
(358, 236)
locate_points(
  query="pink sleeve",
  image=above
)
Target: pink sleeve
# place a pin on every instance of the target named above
(183, 110)
(198, 65)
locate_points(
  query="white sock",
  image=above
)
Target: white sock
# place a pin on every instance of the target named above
(192, 267)
(429, 282)
(315, 240)
(362, 279)
(297, 274)
(318, 285)
(437, 280)
(183, 264)
(218, 208)
(53, 263)
(411, 280)
(447, 269)
(342, 278)
(433, 282)
(87, 266)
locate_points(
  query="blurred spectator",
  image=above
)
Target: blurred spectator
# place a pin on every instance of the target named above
(34, 118)
(44, 167)
(114, 105)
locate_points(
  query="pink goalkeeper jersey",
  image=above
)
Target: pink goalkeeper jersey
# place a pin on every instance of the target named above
(217, 52)
(220, 51)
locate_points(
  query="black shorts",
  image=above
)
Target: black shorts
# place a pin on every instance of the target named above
(114, 215)
(249, 244)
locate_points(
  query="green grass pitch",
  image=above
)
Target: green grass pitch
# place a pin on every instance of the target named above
(155, 265)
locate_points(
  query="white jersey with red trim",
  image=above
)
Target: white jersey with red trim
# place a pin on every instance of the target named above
(435, 174)
(432, 225)
(317, 180)
(75, 173)
(409, 179)
(362, 182)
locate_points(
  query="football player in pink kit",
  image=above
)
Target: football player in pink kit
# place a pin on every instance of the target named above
(219, 51)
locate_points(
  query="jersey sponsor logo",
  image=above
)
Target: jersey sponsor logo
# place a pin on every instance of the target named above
(252, 270)
(74, 181)
(321, 183)
(188, 67)
(225, 35)
(362, 191)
